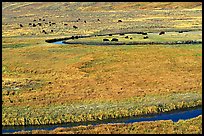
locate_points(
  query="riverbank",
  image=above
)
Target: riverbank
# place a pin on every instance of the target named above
(175, 116)
(191, 126)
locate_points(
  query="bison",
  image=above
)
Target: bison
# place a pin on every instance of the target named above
(126, 37)
(51, 30)
(98, 19)
(110, 34)
(119, 20)
(162, 32)
(85, 21)
(75, 27)
(21, 25)
(65, 24)
(114, 39)
(130, 38)
(105, 39)
(145, 37)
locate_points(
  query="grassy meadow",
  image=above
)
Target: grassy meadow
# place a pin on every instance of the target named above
(47, 83)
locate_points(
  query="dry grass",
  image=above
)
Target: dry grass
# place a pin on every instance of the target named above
(37, 74)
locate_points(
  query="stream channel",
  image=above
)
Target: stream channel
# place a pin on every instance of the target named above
(173, 115)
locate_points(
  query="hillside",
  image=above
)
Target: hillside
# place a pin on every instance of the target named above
(97, 6)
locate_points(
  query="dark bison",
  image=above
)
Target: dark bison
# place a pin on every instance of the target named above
(98, 19)
(162, 32)
(145, 37)
(126, 37)
(65, 24)
(30, 24)
(114, 39)
(34, 20)
(110, 34)
(119, 20)
(44, 32)
(53, 23)
(51, 30)
(39, 24)
(180, 31)
(85, 21)
(21, 25)
(39, 19)
(75, 27)
(105, 39)
(34, 25)
(144, 33)
(122, 34)
(43, 19)
(131, 38)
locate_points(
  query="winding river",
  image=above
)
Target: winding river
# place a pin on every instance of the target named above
(174, 116)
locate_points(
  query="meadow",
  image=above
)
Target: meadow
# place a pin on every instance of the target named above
(46, 83)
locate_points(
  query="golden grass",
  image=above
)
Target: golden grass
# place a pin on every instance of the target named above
(37, 74)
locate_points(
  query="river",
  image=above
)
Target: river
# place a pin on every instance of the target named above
(174, 116)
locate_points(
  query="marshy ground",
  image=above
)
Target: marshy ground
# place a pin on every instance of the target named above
(45, 83)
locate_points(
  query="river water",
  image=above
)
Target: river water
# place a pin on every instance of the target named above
(174, 116)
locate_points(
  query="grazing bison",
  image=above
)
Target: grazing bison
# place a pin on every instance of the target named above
(145, 37)
(162, 32)
(110, 34)
(53, 23)
(131, 38)
(65, 24)
(75, 27)
(43, 19)
(126, 37)
(122, 34)
(114, 39)
(39, 19)
(85, 21)
(180, 31)
(51, 30)
(105, 39)
(34, 25)
(98, 19)
(144, 33)
(34, 20)
(30, 24)
(119, 20)
(39, 24)
(21, 25)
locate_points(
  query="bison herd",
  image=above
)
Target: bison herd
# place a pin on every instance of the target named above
(41, 22)
(127, 37)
